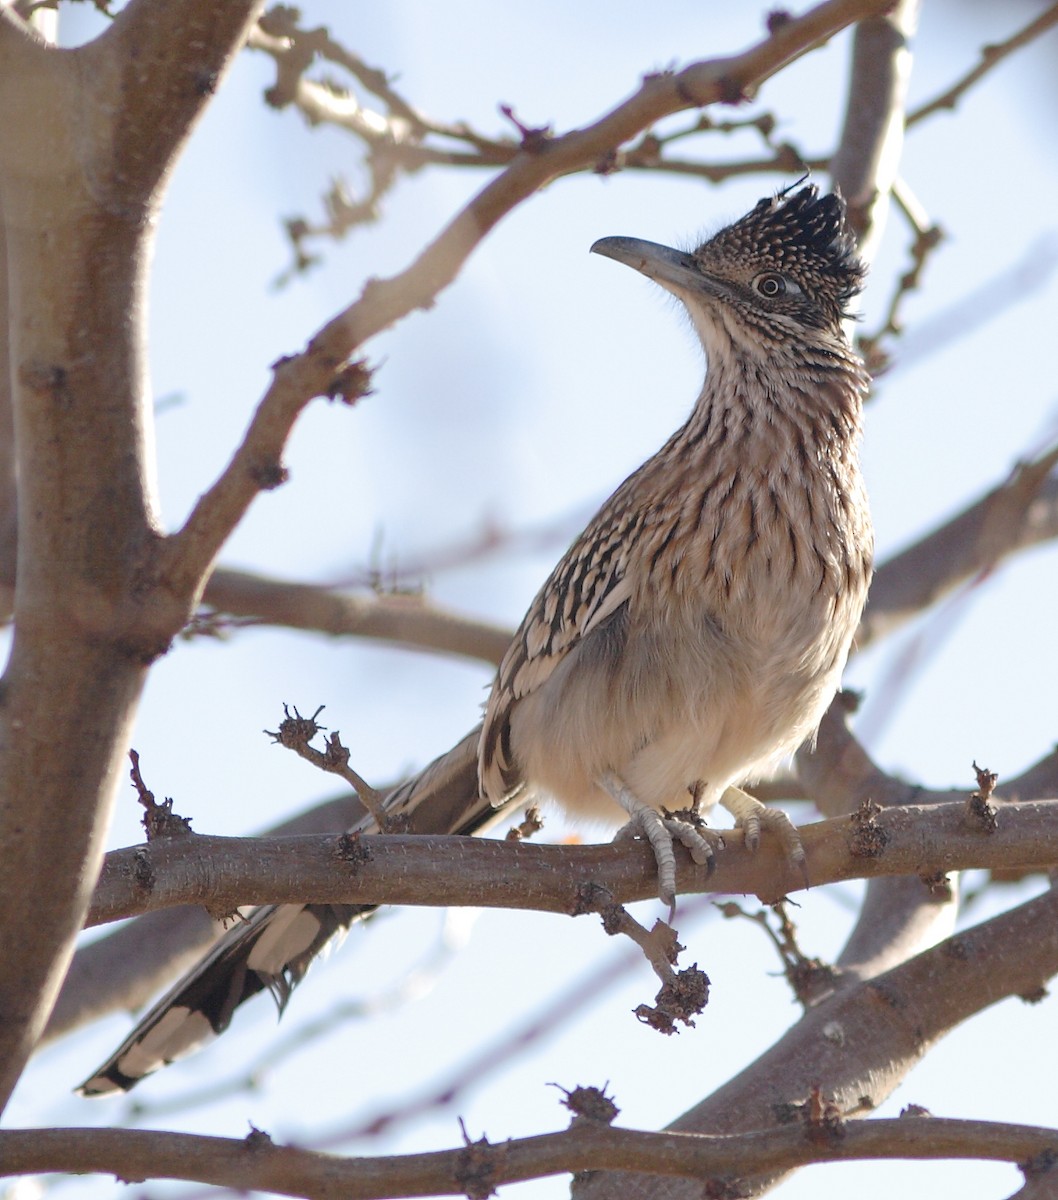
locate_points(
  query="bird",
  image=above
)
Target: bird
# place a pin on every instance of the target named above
(689, 639)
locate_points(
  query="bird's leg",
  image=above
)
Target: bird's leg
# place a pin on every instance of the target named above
(660, 832)
(750, 815)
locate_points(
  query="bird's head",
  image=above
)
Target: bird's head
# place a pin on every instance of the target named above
(787, 268)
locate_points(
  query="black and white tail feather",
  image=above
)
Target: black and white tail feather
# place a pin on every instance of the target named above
(273, 948)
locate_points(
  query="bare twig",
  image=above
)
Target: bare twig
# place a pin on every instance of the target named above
(159, 820)
(684, 994)
(402, 618)
(991, 57)
(810, 978)
(927, 237)
(402, 140)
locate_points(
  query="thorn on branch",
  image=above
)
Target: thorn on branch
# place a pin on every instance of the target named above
(476, 1170)
(43, 377)
(1036, 996)
(589, 1104)
(592, 898)
(269, 475)
(868, 838)
(352, 849)
(209, 623)
(533, 138)
(205, 82)
(726, 1187)
(914, 1111)
(939, 886)
(159, 820)
(608, 164)
(822, 1117)
(731, 91)
(958, 949)
(257, 1139)
(351, 383)
(981, 813)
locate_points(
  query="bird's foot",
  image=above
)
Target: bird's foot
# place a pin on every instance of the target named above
(661, 831)
(751, 816)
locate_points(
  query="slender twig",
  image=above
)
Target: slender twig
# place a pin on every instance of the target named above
(927, 237)
(296, 733)
(403, 618)
(991, 57)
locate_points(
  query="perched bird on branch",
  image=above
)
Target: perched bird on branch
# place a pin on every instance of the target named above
(692, 635)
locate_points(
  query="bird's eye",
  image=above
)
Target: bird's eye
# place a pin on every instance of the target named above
(771, 285)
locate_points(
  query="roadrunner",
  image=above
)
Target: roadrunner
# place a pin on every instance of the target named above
(692, 635)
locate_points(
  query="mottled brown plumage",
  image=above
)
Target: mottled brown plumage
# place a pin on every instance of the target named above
(697, 629)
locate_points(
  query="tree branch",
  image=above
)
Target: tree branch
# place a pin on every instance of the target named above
(225, 873)
(1021, 512)
(867, 159)
(478, 1168)
(991, 57)
(81, 183)
(405, 619)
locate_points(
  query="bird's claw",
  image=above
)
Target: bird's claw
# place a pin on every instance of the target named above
(751, 816)
(661, 831)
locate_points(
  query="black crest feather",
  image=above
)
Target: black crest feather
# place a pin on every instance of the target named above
(803, 235)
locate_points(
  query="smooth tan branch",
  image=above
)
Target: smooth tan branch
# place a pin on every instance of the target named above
(257, 1163)
(434, 870)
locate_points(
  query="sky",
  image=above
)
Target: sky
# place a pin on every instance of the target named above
(540, 379)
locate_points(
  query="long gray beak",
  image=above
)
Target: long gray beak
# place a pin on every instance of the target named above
(672, 269)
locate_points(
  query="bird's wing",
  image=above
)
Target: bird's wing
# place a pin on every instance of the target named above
(588, 585)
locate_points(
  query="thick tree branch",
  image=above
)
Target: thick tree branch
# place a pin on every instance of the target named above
(88, 138)
(436, 871)
(477, 1168)
(867, 159)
